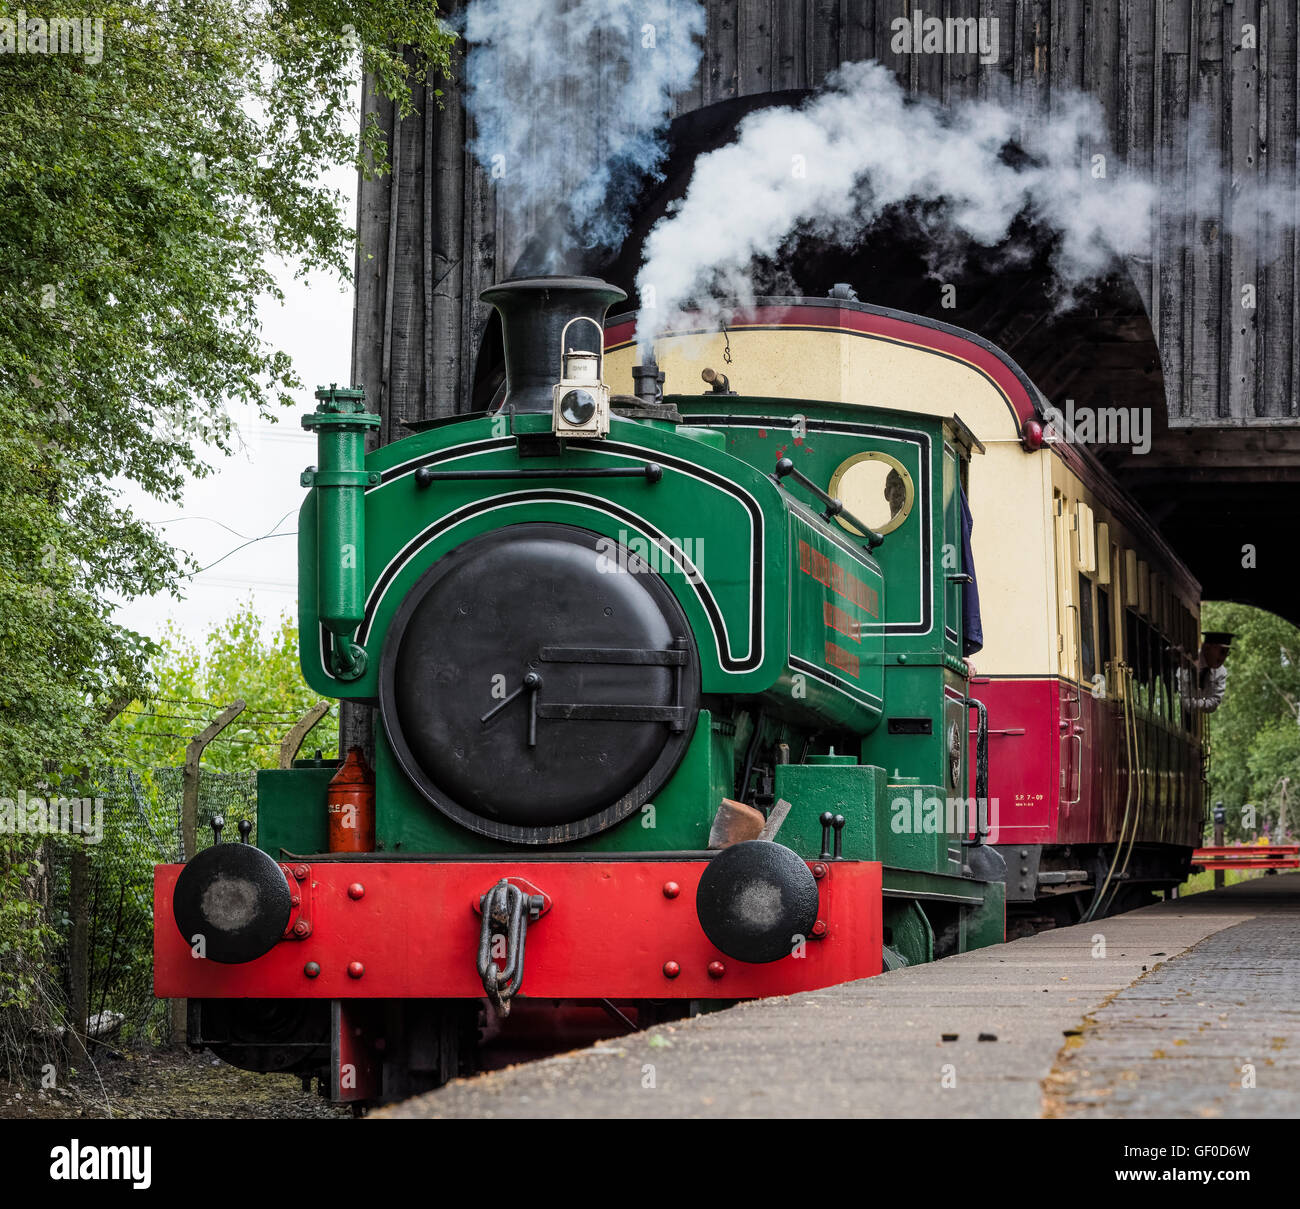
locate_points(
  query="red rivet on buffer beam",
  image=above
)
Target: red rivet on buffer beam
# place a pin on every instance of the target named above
(356, 891)
(671, 969)
(312, 969)
(671, 889)
(355, 969)
(716, 969)
(819, 928)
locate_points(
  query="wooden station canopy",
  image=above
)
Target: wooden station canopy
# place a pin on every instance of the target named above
(1170, 330)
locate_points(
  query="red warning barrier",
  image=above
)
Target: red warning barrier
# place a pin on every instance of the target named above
(1253, 856)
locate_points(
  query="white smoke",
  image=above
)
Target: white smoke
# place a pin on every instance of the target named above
(831, 167)
(569, 100)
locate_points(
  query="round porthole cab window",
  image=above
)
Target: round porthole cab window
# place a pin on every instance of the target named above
(875, 488)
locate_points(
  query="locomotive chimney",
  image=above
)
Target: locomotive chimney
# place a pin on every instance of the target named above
(534, 313)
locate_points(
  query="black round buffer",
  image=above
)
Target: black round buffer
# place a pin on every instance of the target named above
(236, 898)
(756, 900)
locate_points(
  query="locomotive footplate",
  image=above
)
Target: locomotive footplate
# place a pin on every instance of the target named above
(614, 928)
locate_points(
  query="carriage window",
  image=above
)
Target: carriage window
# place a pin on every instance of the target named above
(1171, 685)
(1186, 670)
(875, 488)
(1136, 641)
(1087, 651)
(1086, 537)
(1160, 672)
(1156, 699)
(1104, 652)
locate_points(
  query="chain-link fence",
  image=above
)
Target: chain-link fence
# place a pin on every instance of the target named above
(100, 890)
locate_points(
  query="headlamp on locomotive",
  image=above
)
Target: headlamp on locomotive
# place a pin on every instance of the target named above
(581, 398)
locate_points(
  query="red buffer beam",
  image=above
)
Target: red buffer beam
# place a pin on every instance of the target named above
(610, 929)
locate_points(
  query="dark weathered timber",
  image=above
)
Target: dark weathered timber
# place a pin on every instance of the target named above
(424, 346)
(1147, 61)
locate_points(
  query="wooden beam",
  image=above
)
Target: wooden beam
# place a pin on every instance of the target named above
(431, 235)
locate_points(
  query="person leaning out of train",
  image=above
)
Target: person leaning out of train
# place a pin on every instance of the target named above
(1202, 686)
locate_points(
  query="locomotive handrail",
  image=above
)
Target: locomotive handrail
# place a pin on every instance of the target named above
(1076, 766)
(1137, 812)
(834, 507)
(1070, 733)
(1131, 796)
(652, 472)
(981, 773)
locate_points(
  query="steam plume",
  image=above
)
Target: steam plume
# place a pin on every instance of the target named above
(569, 101)
(831, 167)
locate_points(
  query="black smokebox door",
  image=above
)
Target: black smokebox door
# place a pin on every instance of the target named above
(511, 627)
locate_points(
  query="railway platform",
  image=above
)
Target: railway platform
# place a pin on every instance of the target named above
(1187, 1009)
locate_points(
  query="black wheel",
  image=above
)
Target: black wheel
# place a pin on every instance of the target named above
(265, 1035)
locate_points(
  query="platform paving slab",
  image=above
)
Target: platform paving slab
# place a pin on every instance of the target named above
(1213, 1033)
(877, 1048)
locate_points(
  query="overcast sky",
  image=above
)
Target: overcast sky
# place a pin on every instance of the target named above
(252, 491)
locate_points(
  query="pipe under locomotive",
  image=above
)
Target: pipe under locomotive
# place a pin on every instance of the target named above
(628, 676)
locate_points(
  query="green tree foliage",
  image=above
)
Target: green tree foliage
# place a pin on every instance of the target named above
(145, 185)
(150, 168)
(1255, 733)
(193, 683)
